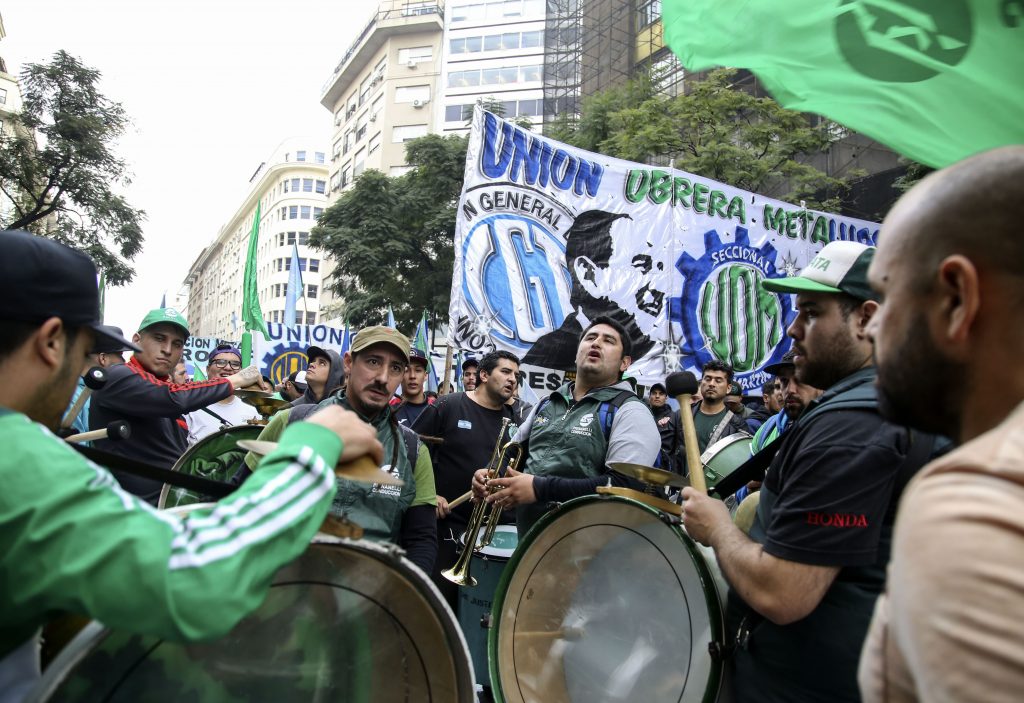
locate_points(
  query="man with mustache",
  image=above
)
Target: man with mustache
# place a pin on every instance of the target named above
(615, 272)
(469, 424)
(142, 393)
(948, 343)
(403, 515)
(805, 580)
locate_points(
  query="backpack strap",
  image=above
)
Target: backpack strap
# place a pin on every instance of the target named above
(606, 411)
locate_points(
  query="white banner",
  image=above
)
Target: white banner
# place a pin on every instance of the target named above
(285, 351)
(548, 237)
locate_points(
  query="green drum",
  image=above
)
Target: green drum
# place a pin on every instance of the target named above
(725, 456)
(475, 601)
(607, 600)
(347, 621)
(215, 457)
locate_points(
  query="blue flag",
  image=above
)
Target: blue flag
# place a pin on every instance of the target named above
(346, 339)
(458, 372)
(391, 319)
(295, 289)
(422, 343)
(163, 301)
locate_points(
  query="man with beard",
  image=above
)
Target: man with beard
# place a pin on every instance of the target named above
(574, 433)
(804, 583)
(950, 266)
(469, 369)
(403, 515)
(142, 393)
(468, 423)
(224, 361)
(74, 541)
(616, 272)
(711, 418)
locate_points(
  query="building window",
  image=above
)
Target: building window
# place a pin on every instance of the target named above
(319, 157)
(359, 162)
(303, 237)
(649, 12)
(310, 318)
(286, 185)
(321, 187)
(411, 93)
(311, 291)
(336, 152)
(293, 212)
(3, 96)
(406, 132)
(317, 211)
(284, 213)
(364, 90)
(374, 144)
(307, 185)
(300, 156)
(314, 265)
(295, 185)
(291, 238)
(361, 126)
(305, 212)
(396, 171)
(345, 176)
(415, 55)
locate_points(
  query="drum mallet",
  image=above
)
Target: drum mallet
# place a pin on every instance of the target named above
(682, 385)
(115, 431)
(94, 379)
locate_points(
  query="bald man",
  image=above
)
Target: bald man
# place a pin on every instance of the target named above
(950, 265)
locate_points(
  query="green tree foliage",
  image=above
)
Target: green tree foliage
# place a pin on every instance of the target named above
(716, 131)
(392, 237)
(58, 167)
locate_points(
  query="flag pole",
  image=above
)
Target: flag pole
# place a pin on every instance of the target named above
(447, 370)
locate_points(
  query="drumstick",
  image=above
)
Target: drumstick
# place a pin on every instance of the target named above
(116, 430)
(461, 499)
(94, 379)
(682, 385)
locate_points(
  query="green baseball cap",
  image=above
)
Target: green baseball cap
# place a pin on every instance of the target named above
(840, 267)
(168, 315)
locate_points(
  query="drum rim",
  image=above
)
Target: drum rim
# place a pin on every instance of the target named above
(710, 452)
(165, 489)
(715, 605)
(387, 554)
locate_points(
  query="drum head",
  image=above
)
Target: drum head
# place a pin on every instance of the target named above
(605, 602)
(215, 457)
(347, 621)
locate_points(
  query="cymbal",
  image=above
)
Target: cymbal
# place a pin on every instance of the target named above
(651, 475)
(362, 469)
(244, 393)
(264, 405)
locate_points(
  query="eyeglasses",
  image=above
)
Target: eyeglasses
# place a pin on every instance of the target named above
(226, 364)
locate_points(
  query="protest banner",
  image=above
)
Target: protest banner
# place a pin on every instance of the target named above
(284, 351)
(548, 237)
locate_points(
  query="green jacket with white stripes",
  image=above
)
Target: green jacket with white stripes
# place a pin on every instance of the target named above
(72, 540)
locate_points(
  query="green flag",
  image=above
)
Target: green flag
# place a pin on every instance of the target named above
(103, 295)
(934, 80)
(252, 316)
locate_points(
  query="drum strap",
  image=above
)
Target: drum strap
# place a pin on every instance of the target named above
(198, 484)
(753, 469)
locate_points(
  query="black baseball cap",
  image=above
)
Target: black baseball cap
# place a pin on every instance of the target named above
(785, 363)
(658, 387)
(314, 352)
(107, 344)
(43, 278)
(470, 361)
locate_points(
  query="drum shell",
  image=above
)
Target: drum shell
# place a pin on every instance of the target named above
(528, 580)
(343, 592)
(475, 602)
(725, 456)
(215, 457)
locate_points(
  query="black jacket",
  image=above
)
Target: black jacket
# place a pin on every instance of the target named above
(153, 407)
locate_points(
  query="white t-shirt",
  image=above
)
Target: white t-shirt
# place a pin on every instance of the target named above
(202, 424)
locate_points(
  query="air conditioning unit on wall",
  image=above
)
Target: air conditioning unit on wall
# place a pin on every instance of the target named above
(419, 103)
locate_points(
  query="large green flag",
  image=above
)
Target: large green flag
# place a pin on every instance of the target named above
(252, 316)
(935, 80)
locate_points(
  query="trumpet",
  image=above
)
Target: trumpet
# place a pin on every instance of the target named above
(485, 516)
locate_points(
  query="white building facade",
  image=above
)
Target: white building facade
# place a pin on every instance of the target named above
(493, 50)
(290, 192)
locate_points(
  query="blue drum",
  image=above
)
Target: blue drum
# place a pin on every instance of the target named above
(475, 601)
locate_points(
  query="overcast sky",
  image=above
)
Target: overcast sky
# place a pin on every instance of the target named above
(211, 87)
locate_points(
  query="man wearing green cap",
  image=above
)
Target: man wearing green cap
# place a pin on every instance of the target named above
(804, 583)
(141, 392)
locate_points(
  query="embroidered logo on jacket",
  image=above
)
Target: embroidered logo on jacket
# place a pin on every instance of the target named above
(584, 426)
(837, 520)
(394, 491)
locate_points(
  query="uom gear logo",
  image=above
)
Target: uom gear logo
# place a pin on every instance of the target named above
(729, 316)
(514, 279)
(282, 361)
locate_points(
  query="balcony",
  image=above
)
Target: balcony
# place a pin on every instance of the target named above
(393, 18)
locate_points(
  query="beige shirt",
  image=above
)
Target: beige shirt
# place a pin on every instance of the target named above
(951, 625)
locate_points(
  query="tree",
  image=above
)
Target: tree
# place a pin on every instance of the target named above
(392, 238)
(716, 131)
(59, 170)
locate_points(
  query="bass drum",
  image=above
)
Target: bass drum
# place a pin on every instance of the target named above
(216, 457)
(606, 601)
(346, 621)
